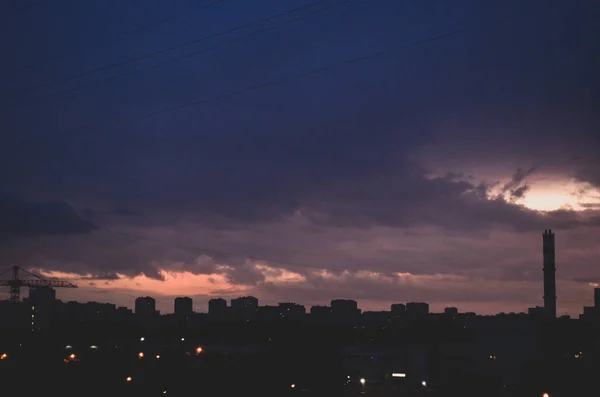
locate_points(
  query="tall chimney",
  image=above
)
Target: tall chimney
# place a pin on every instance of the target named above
(549, 274)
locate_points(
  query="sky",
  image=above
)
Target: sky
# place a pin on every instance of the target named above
(300, 150)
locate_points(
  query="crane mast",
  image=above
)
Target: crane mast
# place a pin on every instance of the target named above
(15, 283)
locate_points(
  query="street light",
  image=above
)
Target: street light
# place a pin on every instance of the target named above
(362, 381)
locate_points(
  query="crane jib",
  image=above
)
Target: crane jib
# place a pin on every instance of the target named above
(15, 282)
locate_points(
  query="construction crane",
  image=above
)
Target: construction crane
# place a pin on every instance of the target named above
(15, 283)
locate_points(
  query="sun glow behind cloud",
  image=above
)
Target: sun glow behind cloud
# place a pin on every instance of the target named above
(560, 194)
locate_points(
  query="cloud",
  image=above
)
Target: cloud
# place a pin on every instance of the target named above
(517, 179)
(519, 192)
(21, 218)
(402, 163)
(418, 201)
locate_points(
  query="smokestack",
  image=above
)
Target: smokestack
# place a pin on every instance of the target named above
(549, 273)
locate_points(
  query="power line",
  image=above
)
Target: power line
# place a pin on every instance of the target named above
(332, 66)
(312, 72)
(56, 58)
(160, 52)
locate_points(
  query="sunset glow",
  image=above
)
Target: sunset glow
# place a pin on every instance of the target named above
(550, 196)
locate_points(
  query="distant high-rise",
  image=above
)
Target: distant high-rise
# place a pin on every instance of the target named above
(417, 309)
(245, 306)
(217, 306)
(291, 310)
(42, 295)
(183, 306)
(398, 309)
(451, 311)
(344, 306)
(549, 274)
(597, 297)
(145, 306)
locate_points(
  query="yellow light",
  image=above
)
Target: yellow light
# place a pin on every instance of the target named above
(72, 356)
(3, 356)
(141, 354)
(158, 356)
(577, 355)
(199, 350)
(545, 395)
(292, 385)
(128, 379)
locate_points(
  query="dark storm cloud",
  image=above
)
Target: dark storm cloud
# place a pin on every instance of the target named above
(246, 274)
(409, 202)
(102, 276)
(519, 192)
(22, 218)
(516, 187)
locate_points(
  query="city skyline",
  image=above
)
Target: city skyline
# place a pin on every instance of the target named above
(303, 151)
(548, 286)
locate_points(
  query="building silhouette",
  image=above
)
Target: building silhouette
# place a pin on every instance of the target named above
(183, 306)
(320, 312)
(398, 309)
(217, 307)
(244, 306)
(417, 309)
(344, 306)
(451, 311)
(549, 270)
(145, 306)
(42, 295)
(290, 310)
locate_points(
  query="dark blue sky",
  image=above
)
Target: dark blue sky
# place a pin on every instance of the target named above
(315, 172)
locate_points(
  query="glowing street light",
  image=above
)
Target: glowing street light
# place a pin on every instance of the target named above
(545, 395)
(293, 385)
(142, 339)
(4, 356)
(424, 384)
(128, 379)
(362, 381)
(72, 356)
(199, 350)
(158, 356)
(141, 354)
